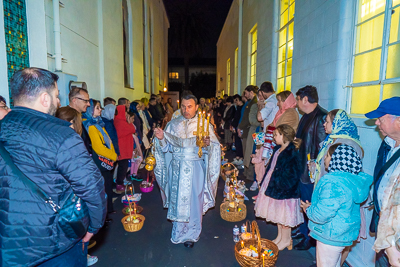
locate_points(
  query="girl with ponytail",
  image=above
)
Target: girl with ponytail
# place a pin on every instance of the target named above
(279, 198)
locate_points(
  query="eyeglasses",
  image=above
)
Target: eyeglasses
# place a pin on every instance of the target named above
(86, 101)
(5, 107)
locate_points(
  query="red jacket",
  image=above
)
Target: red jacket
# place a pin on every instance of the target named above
(124, 133)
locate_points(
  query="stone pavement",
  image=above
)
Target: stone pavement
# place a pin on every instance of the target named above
(151, 246)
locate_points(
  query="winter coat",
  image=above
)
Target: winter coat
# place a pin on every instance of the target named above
(54, 156)
(284, 181)
(98, 143)
(312, 132)
(334, 214)
(124, 133)
(149, 118)
(155, 113)
(110, 128)
(236, 119)
(230, 114)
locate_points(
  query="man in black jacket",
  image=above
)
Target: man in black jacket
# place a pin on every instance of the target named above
(311, 131)
(54, 157)
(156, 113)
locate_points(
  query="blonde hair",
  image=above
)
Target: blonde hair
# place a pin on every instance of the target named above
(145, 101)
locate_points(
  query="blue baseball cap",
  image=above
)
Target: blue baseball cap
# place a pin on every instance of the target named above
(389, 106)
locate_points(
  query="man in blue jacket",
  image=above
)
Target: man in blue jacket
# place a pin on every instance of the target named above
(54, 157)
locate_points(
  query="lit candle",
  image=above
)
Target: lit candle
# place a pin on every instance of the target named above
(177, 101)
(263, 259)
(208, 124)
(308, 157)
(204, 118)
(242, 244)
(198, 124)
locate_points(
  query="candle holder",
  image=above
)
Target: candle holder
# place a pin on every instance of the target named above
(201, 131)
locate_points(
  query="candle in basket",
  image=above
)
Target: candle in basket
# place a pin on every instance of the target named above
(242, 244)
(263, 255)
(208, 124)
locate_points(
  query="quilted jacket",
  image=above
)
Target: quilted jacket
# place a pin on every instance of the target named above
(334, 214)
(51, 154)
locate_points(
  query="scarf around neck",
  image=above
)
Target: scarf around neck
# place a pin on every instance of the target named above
(97, 122)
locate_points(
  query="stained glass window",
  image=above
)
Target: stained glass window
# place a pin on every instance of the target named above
(16, 36)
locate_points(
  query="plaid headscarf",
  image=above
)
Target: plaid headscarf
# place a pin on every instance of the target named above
(345, 159)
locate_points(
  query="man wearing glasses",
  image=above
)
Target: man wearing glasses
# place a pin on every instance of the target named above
(79, 100)
(3, 108)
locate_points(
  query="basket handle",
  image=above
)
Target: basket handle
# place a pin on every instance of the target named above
(248, 226)
(255, 229)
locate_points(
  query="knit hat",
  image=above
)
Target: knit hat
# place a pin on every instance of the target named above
(345, 159)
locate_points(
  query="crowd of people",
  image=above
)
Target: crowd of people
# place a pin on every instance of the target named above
(308, 169)
(309, 175)
(46, 149)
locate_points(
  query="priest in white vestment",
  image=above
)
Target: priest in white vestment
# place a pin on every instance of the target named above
(188, 183)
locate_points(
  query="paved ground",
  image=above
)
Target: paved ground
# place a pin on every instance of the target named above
(151, 246)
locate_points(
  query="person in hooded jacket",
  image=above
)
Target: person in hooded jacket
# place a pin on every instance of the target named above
(125, 142)
(334, 211)
(107, 115)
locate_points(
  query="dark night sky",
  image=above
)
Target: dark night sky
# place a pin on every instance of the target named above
(217, 10)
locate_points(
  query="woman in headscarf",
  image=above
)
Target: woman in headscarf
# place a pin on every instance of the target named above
(340, 129)
(103, 149)
(287, 113)
(107, 116)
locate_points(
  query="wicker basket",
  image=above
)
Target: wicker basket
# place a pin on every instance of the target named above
(258, 243)
(131, 226)
(235, 216)
(139, 210)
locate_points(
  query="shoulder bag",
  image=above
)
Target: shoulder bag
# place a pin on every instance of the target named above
(72, 215)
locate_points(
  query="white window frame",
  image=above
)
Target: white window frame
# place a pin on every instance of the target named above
(281, 28)
(236, 78)
(384, 54)
(250, 53)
